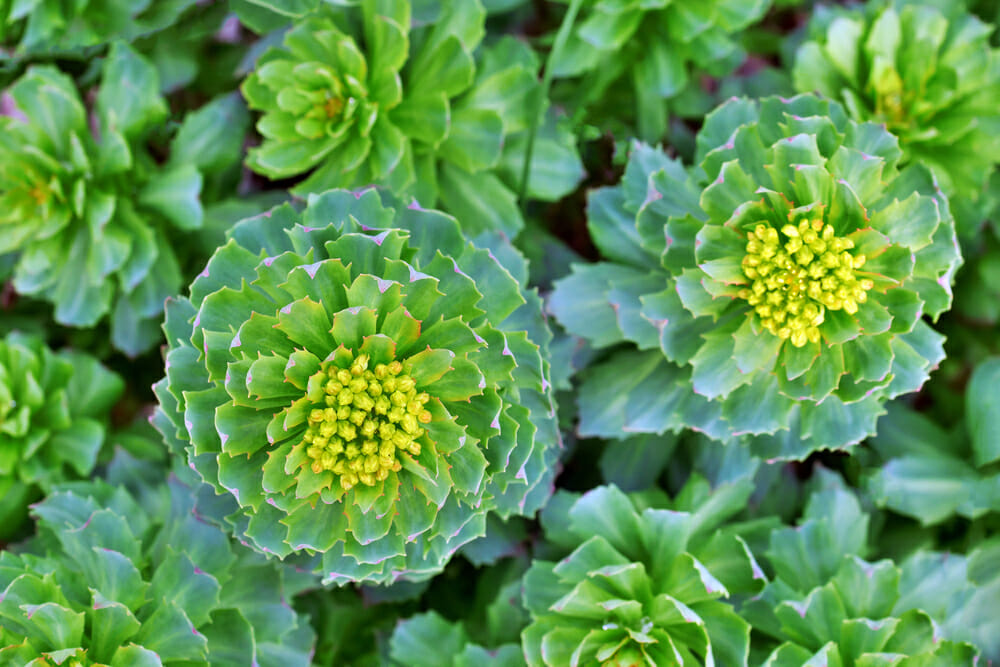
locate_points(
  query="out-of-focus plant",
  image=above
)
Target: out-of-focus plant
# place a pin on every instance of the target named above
(362, 384)
(94, 217)
(36, 27)
(53, 420)
(931, 472)
(374, 96)
(657, 49)
(112, 581)
(928, 73)
(774, 290)
(827, 605)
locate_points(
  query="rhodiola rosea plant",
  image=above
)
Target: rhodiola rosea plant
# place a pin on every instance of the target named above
(411, 333)
(928, 73)
(358, 97)
(775, 290)
(112, 580)
(89, 211)
(363, 384)
(53, 420)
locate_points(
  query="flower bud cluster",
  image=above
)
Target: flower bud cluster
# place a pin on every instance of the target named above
(361, 418)
(325, 101)
(797, 274)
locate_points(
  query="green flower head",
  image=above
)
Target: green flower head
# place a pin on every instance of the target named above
(90, 216)
(371, 95)
(364, 385)
(660, 45)
(930, 75)
(827, 605)
(53, 414)
(775, 290)
(642, 587)
(114, 582)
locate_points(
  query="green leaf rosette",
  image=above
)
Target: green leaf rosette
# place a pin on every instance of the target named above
(112, 581)
(657, 48)
(53, 416)
(643, 586)
(90, 212)
(361, 384)
(928, 73)
(776, 290)
(38, 27)
(373, 95)
(827, 605)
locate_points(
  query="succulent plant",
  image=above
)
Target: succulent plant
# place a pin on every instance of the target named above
(53, 415)
(91, 214)
(110, 581)
(358, 97)
(775, 290)
(928, 73)
(362, 384)
(827, 605)
(643, 585)
(52, 26)
(429, 640)
(931, 470)
(660, 45)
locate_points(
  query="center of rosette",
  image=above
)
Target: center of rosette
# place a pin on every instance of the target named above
(365, 417)
(799, 272)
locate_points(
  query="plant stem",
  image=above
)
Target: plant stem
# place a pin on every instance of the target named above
(557, 47)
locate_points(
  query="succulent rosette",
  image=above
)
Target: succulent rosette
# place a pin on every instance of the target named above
(53, 415)
(113, 581)
(362, 384)
(827, 605)
(643, 585)
(927, 72)
(372, 95)
(91, 214)
(776, 290)
(659, 47)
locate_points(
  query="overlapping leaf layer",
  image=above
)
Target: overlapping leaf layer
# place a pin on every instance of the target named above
(643, 585)
(116, 581)
(827, 605)
(53, 418)
(659, 46)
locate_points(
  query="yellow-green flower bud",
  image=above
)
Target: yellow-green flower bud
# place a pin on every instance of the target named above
(367, 415)
(793, 281)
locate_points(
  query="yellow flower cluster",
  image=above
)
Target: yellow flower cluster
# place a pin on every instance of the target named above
(366, 416)
(798, 273)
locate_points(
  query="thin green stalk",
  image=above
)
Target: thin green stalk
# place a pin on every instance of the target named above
(557, 47)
